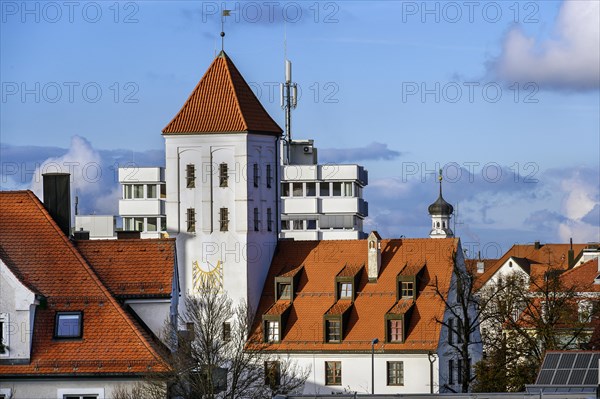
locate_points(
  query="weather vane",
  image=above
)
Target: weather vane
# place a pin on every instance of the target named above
(225, 13)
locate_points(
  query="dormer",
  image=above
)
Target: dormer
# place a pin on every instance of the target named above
(335, 321)
(397, 321)
(374, 256)
(286, 284)
(407, 280)
(346, 282)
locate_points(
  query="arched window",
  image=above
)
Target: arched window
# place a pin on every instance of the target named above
(438, 225)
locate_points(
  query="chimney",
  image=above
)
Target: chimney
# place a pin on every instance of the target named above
(374, 256)
(537, 245)
(57, 199)
(571, 254)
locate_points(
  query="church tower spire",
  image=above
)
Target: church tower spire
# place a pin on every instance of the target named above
(440, 212)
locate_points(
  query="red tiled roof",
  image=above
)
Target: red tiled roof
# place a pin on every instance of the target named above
(553, 256)
(35, 249)
(132, 268)
(582, 277)
(340, 307)
(402, 306)
(222, 102)
(322, 260)
(278, 307)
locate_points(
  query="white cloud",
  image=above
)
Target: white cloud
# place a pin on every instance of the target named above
(569, 60)
(581, 197)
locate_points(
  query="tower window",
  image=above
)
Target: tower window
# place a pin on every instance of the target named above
(226, 331)
(190, 176)
(269, 176)
(256, 175)
(256, 220)
(191, 220)
(224, 219)
(223, 175)
(269, 220)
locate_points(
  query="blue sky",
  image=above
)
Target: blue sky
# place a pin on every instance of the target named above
(479, 89)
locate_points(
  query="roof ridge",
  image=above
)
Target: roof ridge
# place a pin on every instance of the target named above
(232, 88)
(93, 275)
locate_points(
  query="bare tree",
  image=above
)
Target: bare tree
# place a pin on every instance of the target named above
(526, 316)
(215, 356)
(463, 324)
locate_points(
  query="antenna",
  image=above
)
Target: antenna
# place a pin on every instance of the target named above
(289, 101)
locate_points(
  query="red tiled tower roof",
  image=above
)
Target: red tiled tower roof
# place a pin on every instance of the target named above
(222, 102)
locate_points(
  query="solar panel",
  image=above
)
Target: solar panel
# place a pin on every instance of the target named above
(577, 377)
(567, 360)
(594, 363)
(583, 360)
(551, 361)
(592, 377)
(561, 377)
(545, 377)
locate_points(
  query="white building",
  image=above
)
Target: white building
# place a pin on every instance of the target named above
(142, 204)
(321, 202)
(221, 180)
(99, 227)
(325, 302)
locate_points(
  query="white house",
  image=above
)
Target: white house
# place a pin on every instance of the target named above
(65, 329)
(337, 306)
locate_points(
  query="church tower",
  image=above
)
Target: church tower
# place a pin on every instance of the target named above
(222, 185)
(440, 212)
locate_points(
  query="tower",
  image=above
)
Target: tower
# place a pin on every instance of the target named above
(440, 212)
(222, 185)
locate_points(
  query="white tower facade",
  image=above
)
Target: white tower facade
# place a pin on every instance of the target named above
(222, 185)
(440, 212)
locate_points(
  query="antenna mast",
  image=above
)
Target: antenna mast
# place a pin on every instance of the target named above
(289, 101)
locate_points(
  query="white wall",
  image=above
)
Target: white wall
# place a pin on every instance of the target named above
(245, 254)
(17, 304)
(356, 372)
(55, 388)
(154, 313)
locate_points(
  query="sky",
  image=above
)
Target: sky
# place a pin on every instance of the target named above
(504, 96)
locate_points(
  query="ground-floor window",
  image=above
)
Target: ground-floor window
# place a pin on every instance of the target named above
(395, 373)
(333, 373)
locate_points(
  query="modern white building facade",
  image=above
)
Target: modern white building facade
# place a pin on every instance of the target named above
(321, 202)
(142, 204)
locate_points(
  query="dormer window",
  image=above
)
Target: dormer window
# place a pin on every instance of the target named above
(345, 290)
(284, 291)
(272, 331)
(396, 330)
(407, 289)
(333, 330)
(68, 325)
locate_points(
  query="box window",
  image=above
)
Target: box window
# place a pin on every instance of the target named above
(297, 190)
(285, 189)
(334, 330)
(395, 373)
(324, 189)
(395, 330)
(138, 191)
(151, 224)
(224, 219)
(333, 373)
(408, 289)
(151, 190)
(272, 331)
(68, 325)
(311, 189)
(345, 290)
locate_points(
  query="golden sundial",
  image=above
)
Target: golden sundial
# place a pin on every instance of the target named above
(207, 275)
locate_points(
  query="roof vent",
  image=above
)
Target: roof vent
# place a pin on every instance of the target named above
(537, 245)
